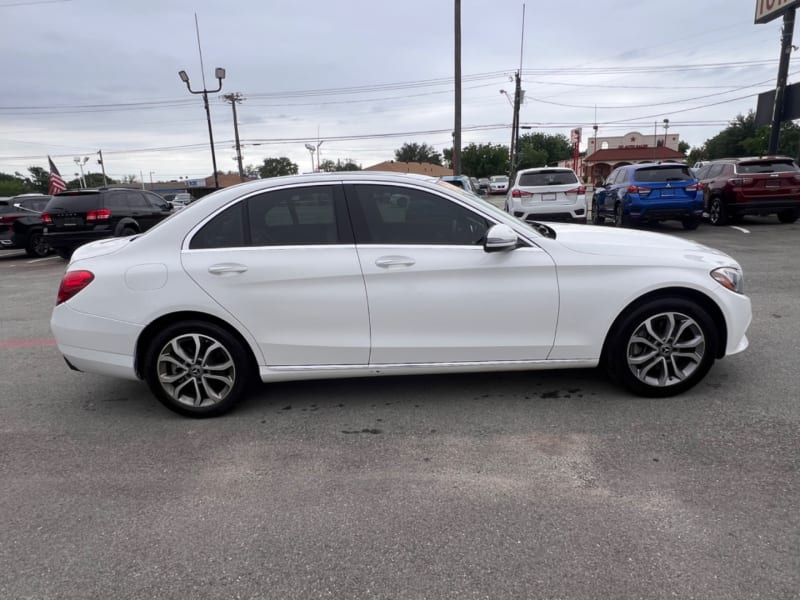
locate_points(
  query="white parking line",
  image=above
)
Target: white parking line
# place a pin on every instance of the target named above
(742, 229)
(30, 262)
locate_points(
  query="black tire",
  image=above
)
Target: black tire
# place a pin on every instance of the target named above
(717, 213)
(690, 223)
(788, 216)
(36, 246)
(201, 343)
(596, 218)
(620, 220)
(649, 364)
(65, 253)
(126, 231)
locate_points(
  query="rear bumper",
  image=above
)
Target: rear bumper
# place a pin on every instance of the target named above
(9, 240)
(758, 207)
(73, 239)
(659, 211)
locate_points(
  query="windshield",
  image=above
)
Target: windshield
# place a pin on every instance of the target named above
(499, 179)
(766, 166)
(549, 177)
(656, 174)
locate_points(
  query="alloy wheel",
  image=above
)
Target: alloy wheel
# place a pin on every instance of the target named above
(666, 349)
(196, 370)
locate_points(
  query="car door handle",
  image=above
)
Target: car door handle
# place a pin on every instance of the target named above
(227, 269)
(395, 261)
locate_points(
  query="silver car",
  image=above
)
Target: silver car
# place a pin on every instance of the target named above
(547, 194)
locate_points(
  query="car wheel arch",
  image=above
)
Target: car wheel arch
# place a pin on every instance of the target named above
(127, 224)
(705, 302)
(149, 333)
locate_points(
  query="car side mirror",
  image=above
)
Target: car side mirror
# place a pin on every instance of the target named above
(500, 238)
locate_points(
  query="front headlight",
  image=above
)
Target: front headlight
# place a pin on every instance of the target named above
(729, 277)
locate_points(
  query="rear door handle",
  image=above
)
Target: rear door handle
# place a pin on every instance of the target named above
(395, 261)
(227, 269)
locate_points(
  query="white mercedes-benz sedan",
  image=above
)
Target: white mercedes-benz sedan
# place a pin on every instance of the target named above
(360, 273)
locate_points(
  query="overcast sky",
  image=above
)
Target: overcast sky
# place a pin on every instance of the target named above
(83, 75)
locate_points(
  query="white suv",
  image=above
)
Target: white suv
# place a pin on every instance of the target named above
(548, 194)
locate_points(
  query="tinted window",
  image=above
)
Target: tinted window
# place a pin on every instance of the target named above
(78, 202)
(499, 179)
(297, 216)
(226, 230)
(714, 170)
(399, 215)
(766, 166)
(115, 200)
(655, 174)
(549, 177)
(136, 200)
(157, 201)
(702, 173)
(36, 204)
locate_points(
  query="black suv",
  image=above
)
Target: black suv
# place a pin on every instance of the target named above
(21, 224)
(79, 216)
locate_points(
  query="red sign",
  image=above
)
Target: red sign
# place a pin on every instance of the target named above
(767, 10)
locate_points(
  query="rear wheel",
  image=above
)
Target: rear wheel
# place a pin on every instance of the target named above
(36, 245)
(126, 231)
(788, 216)
(690, 223)
(65, 253)
(663, 348)
(717, 213)
(197, 369)
(597, 219)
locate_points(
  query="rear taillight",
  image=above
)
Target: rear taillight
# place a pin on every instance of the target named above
(741, 181)
(577, 190)
(5, 220)
(520, 194)
(47, 219)
(694, 188)
(642, 191)
(98, 215)
(72, 283)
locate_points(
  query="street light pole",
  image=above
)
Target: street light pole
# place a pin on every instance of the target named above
(219, 73)
(311, 149)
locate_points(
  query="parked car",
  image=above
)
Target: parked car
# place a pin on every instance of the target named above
(736, 187)
(461, 181)
(483, 184)
(364, 274)
(181, 199)
(498, 184)
(551, 194)
(476, 186)
(21, 224)
(649, 193)
(75, 217)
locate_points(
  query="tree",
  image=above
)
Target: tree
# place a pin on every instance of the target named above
(11, 185)
(93, 180)
(347, 165)
(742, 138)
(252, 172)
(683, 147)
(39, 180)
(541, 149)
(484, 160)
(412, 152)
(275, 167)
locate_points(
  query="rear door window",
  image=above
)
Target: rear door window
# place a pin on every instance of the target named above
(297, 216)
(78, 203)
(658, 174)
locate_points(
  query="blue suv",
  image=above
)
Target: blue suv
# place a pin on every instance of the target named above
(649, 192)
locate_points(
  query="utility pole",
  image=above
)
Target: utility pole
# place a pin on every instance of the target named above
(234, 99)
(783, 73)
(103, 168)
(515, 126)
(457, 125)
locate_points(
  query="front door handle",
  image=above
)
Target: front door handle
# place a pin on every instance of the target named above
(227, 269)
(395, 261)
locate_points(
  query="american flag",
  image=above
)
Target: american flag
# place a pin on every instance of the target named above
(56, 182)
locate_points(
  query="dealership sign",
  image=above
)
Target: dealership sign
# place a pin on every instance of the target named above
(767, 10)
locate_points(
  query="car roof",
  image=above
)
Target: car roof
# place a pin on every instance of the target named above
(540, 169)
(752, 159)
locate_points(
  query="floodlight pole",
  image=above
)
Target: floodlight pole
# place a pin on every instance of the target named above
(220, 75)
(783, 74)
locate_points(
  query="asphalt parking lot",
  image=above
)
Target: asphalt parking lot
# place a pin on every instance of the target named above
(553, 485)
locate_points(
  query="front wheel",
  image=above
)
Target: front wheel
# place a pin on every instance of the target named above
(197, 369)
(663, 348)
(717, 214)
(620, 220)
(597, 219)
(36, 246)
(788, 216)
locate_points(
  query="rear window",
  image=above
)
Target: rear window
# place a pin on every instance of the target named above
(499, 179)
(541, 178)
(766, 166)
(655, 174)
(73, 203)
